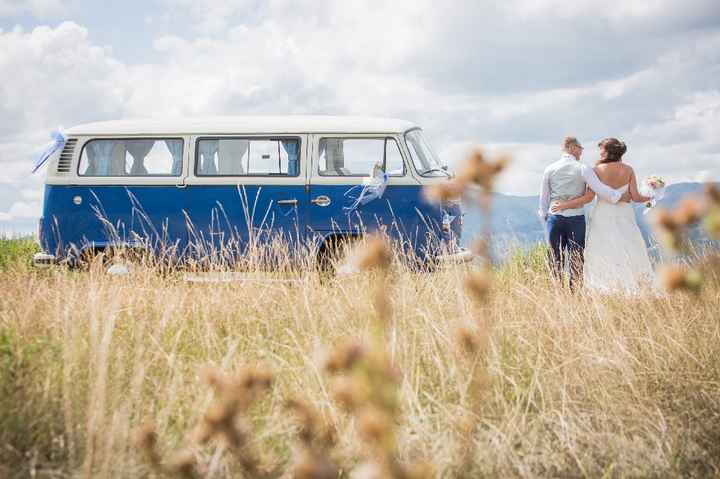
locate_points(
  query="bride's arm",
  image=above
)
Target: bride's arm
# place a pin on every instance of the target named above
(634, 193)
(574, 203)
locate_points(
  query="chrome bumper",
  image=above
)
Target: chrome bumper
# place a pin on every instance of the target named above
(462, 255)
(43, 260)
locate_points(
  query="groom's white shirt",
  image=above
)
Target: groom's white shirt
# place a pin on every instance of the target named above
(566, 179)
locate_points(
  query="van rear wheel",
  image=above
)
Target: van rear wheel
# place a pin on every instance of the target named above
(332, 252)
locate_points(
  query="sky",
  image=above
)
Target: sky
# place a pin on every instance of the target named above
(511, 76)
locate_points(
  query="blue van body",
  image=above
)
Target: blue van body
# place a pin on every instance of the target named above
(187, 216)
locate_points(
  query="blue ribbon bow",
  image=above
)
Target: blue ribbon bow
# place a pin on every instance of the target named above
(57, 144)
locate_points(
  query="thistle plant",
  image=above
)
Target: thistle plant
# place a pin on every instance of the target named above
(366, 381)
(673, 229)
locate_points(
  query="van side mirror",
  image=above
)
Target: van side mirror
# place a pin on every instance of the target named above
(445, 167)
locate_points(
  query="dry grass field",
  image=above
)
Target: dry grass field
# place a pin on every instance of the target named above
(534, 381)
(383, 373)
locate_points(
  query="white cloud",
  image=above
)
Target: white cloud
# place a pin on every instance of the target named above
(22, 209)
(517, 75)
(38, 8)
(55, 75)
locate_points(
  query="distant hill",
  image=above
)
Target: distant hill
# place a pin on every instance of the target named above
(516, 224)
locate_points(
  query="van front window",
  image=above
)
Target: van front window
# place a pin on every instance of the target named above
(423, 157)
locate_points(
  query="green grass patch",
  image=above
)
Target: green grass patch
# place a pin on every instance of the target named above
(17, 252)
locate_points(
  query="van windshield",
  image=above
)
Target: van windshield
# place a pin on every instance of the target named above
(424, 158)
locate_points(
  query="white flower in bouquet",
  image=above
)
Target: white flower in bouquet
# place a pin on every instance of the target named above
(654, 187)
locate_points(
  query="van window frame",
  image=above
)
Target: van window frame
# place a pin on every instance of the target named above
(350, 137)
(117, 138)
(196, 156)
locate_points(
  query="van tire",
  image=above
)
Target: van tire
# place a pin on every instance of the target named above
(331, 251)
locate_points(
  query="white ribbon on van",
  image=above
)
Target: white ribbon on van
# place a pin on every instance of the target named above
(56, 144)
(373, 188)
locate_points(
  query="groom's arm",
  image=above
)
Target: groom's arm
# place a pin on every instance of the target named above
(602, 190)
(544, 205)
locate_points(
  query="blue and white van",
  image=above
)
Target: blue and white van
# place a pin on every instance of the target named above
(171, 185)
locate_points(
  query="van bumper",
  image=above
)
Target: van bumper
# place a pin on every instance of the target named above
(43, 260)
(461, 255)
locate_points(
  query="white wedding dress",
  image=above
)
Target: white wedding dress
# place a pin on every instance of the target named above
(616, 258)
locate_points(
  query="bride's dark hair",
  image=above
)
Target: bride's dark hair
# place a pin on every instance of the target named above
(615, 150)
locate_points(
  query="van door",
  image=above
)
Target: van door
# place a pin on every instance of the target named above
(341, 167)
(245, 192)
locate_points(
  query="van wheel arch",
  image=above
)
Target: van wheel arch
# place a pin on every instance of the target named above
(331, 248)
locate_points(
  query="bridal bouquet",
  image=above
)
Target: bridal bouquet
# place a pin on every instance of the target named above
(654, 187)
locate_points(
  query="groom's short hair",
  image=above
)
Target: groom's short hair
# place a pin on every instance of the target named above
(570, 141)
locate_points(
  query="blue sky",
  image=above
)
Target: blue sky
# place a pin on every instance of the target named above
(514, 76)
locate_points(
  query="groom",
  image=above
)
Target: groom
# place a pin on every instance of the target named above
(563, 180)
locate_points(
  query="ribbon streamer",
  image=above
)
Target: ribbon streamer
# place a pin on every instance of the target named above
(371, 191)
(57, 144)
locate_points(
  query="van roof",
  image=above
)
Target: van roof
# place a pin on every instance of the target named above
(244, 125)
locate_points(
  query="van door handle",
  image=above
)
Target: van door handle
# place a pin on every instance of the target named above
(180, 185)
(321, 200)
(292, 202)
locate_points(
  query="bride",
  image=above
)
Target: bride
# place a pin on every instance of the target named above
(616, 258)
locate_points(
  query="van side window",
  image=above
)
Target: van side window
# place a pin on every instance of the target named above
(247, 157)
(358, 156)
(132, 157)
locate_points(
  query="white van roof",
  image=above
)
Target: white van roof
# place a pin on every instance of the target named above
(243, 125)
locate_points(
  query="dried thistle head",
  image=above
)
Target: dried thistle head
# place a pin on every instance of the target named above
(680, 278)
(344, 357)
(347, 394)
(481, 171)
(146, 440)
(712, 193)
(480, 247)
(478, 284)
(375, 426)
(309, 422)
(670, 232)
(374, 254)
(688, 212)
(183, 464)
(665, 220)
(314, 433)
(255, 378)
(233, 395)
(445, 192)
(314, 466)
(468, 339)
